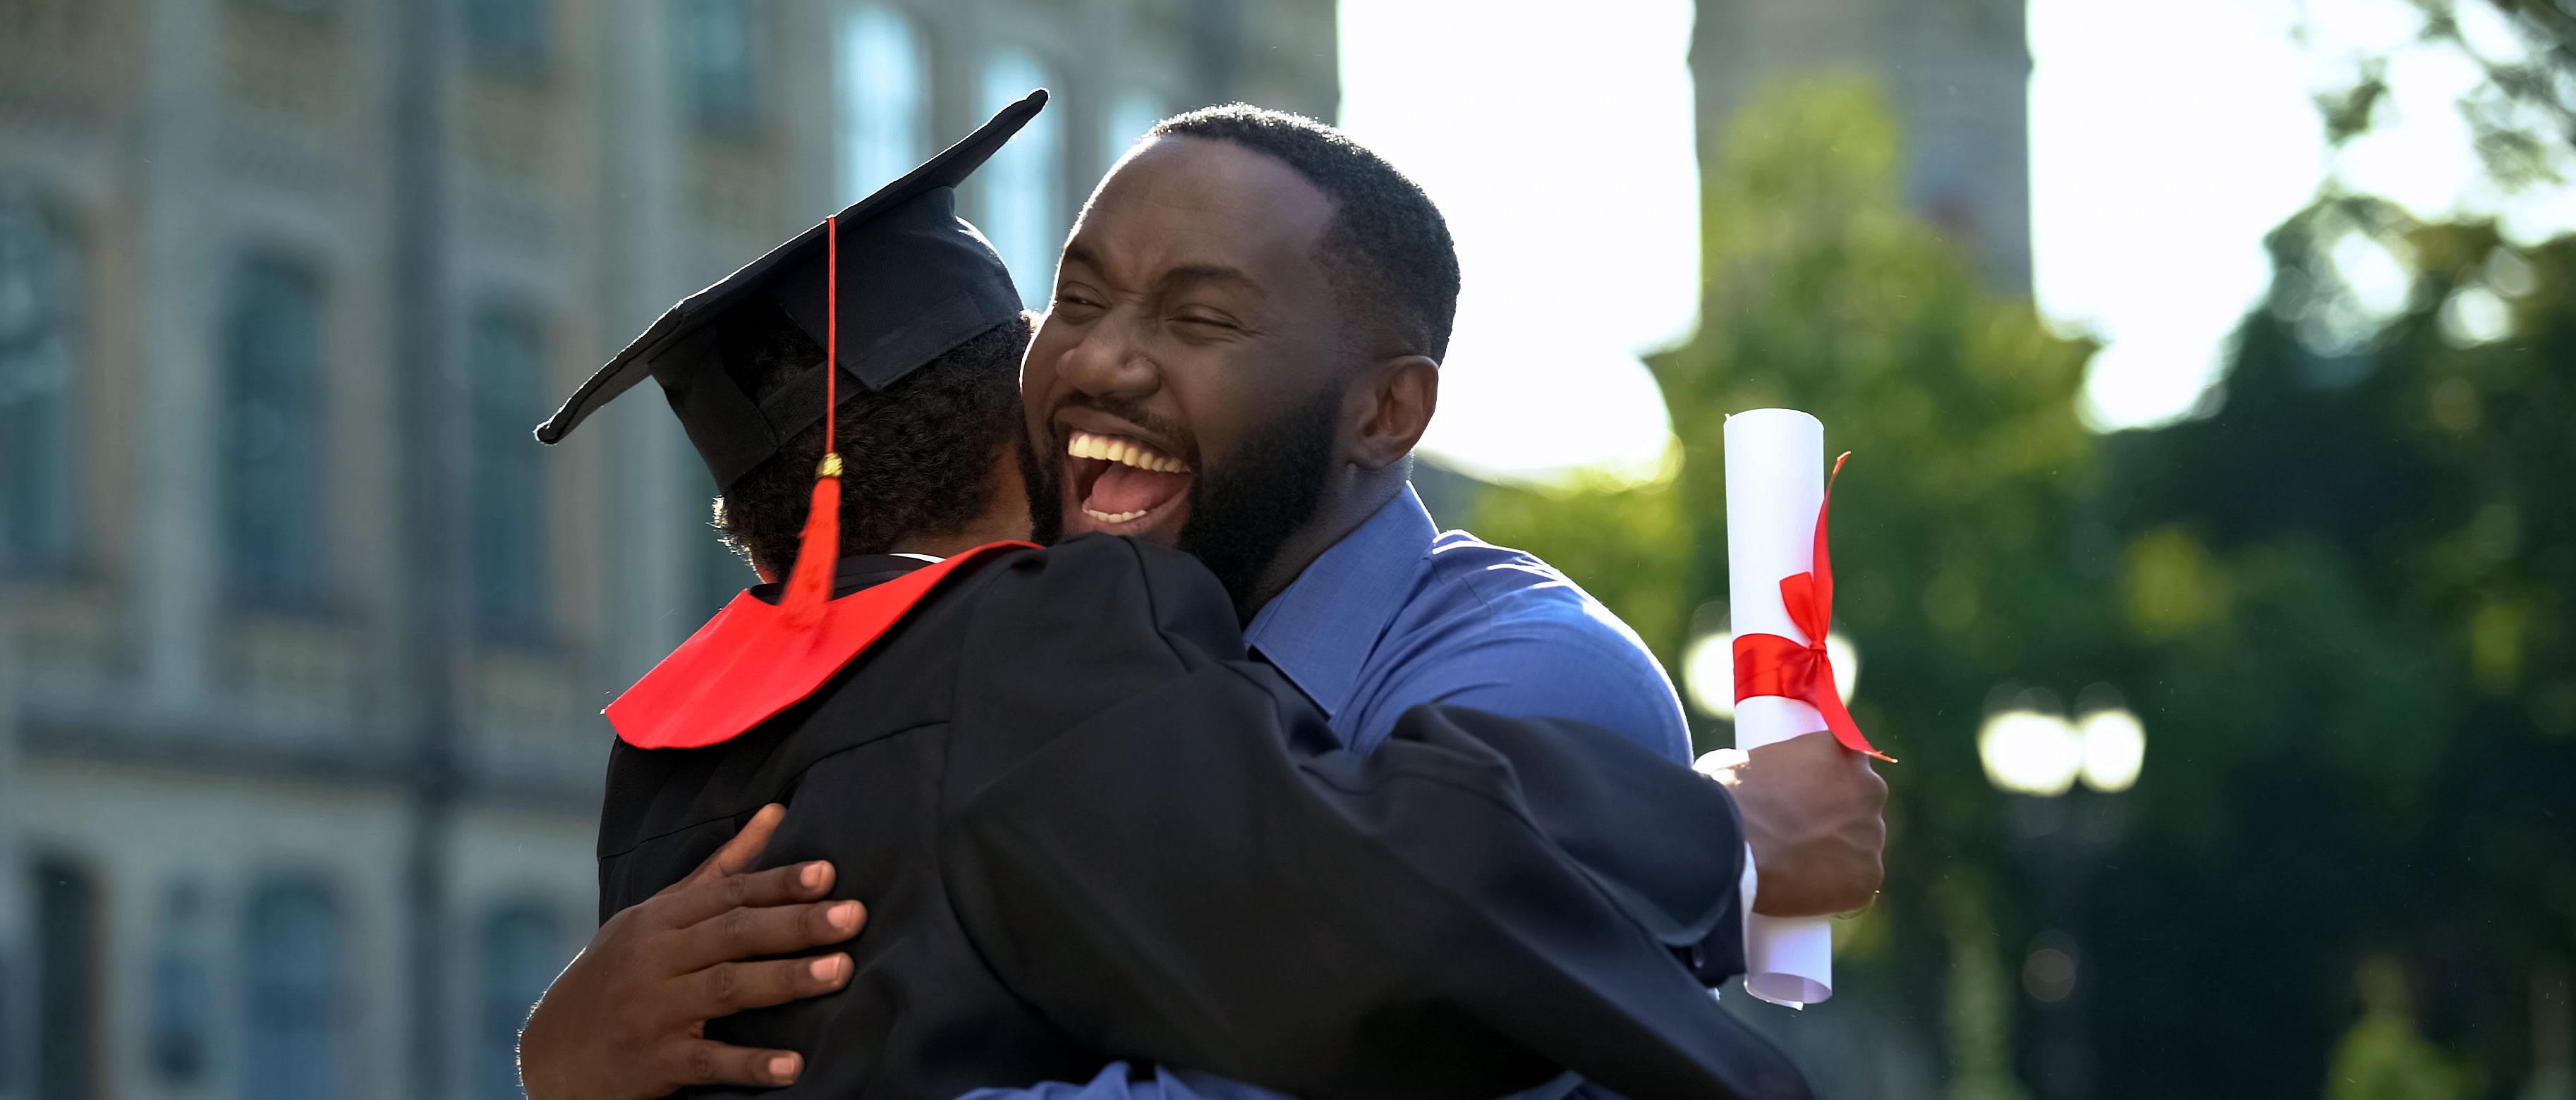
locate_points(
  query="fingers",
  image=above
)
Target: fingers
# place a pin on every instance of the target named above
(743, 848)
(746, 933)
(692, 902)
(699, 1062)
(727, 988)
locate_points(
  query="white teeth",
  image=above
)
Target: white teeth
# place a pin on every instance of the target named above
(1125, 452)
(1105, 517)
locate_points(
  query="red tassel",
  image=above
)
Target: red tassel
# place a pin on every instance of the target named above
(818, 553)
(809, 585)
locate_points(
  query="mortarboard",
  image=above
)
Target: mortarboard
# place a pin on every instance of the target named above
(913, 281)
(919, 281)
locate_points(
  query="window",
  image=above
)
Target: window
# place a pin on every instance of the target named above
(183, 996)
(291, 961)
(69, 976)
(1130, 115)
(522, 950)
(720, 64)
(506, 529)
(882, 80)
(1023, 184)
(271, 437)
(510, 37)
(39, 352)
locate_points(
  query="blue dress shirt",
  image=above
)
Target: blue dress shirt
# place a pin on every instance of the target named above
(1398, 614)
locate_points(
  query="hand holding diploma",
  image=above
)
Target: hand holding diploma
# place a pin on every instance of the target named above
(1812, 814)
(1810, 802)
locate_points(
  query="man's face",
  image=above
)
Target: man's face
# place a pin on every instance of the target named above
(1185, 387)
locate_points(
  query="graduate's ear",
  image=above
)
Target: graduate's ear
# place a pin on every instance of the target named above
(1390, 404)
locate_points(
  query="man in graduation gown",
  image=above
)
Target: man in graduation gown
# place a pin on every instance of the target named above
(1086, 824)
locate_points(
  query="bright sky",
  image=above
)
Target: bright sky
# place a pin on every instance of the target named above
(1549, 133)
(2153, 182)
(2166, 139)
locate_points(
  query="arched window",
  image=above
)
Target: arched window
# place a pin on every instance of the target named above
(1130, 115)
(883, 88)
(39, 357)
(522, 950)
(506, 536)
(1023, 185)
(69, 977)
(291, 978)
(271, 436)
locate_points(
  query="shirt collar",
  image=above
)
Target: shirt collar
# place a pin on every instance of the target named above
(1321, 630)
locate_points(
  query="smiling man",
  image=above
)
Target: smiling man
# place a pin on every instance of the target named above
(1244, 346)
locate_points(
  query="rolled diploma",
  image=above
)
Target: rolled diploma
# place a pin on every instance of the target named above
(1775, 480)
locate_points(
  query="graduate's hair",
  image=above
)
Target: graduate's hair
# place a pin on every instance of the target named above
(917, 456)
(1388, 250)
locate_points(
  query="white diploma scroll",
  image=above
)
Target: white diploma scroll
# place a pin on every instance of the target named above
(1775, 481)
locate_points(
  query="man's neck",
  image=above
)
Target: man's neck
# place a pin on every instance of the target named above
(1350, 501)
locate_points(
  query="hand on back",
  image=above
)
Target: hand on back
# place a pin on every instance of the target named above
(627, 1020)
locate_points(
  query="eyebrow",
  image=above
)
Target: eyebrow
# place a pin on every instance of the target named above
(1209, 273)
(1075, 253)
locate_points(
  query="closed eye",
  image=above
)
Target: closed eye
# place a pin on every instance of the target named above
(1206, 319)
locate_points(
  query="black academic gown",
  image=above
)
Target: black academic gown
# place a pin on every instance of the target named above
(1087, 827)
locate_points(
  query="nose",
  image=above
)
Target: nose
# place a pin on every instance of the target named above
(1111, 359)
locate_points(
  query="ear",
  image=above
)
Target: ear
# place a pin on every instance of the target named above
(1391, 406)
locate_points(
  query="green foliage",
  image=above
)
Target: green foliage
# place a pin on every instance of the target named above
(2344, 605)
(2383, 1057)
(1824, 294)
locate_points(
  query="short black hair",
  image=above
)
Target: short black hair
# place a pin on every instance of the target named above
(918, 456)
(1388, 250)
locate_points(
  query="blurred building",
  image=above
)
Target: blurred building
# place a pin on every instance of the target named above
(302, 638)
(1956, 72)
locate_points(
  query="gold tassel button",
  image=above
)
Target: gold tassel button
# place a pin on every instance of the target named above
(830, 466)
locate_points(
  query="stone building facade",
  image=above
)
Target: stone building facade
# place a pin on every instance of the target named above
(1956, 72)
(302, 638)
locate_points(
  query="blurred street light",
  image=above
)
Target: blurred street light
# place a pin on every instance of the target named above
(1708, 671)
(2028, 752)
(2115, 747)
(2030, 749)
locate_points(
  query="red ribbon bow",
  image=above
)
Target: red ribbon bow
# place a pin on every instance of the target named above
(1768, 664)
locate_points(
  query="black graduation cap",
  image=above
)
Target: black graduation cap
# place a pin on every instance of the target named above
(915, 281)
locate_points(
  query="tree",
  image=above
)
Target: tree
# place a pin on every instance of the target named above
(2344, 603)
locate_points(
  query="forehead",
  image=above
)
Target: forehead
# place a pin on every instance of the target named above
(1186, 200)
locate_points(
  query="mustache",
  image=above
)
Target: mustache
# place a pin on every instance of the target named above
(1184, 442)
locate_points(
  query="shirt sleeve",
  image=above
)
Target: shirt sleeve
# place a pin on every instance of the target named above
(1544, 670)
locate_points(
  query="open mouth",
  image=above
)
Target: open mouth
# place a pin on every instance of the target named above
(1120, 481)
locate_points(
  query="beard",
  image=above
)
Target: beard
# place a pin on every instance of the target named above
(1242, 510)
